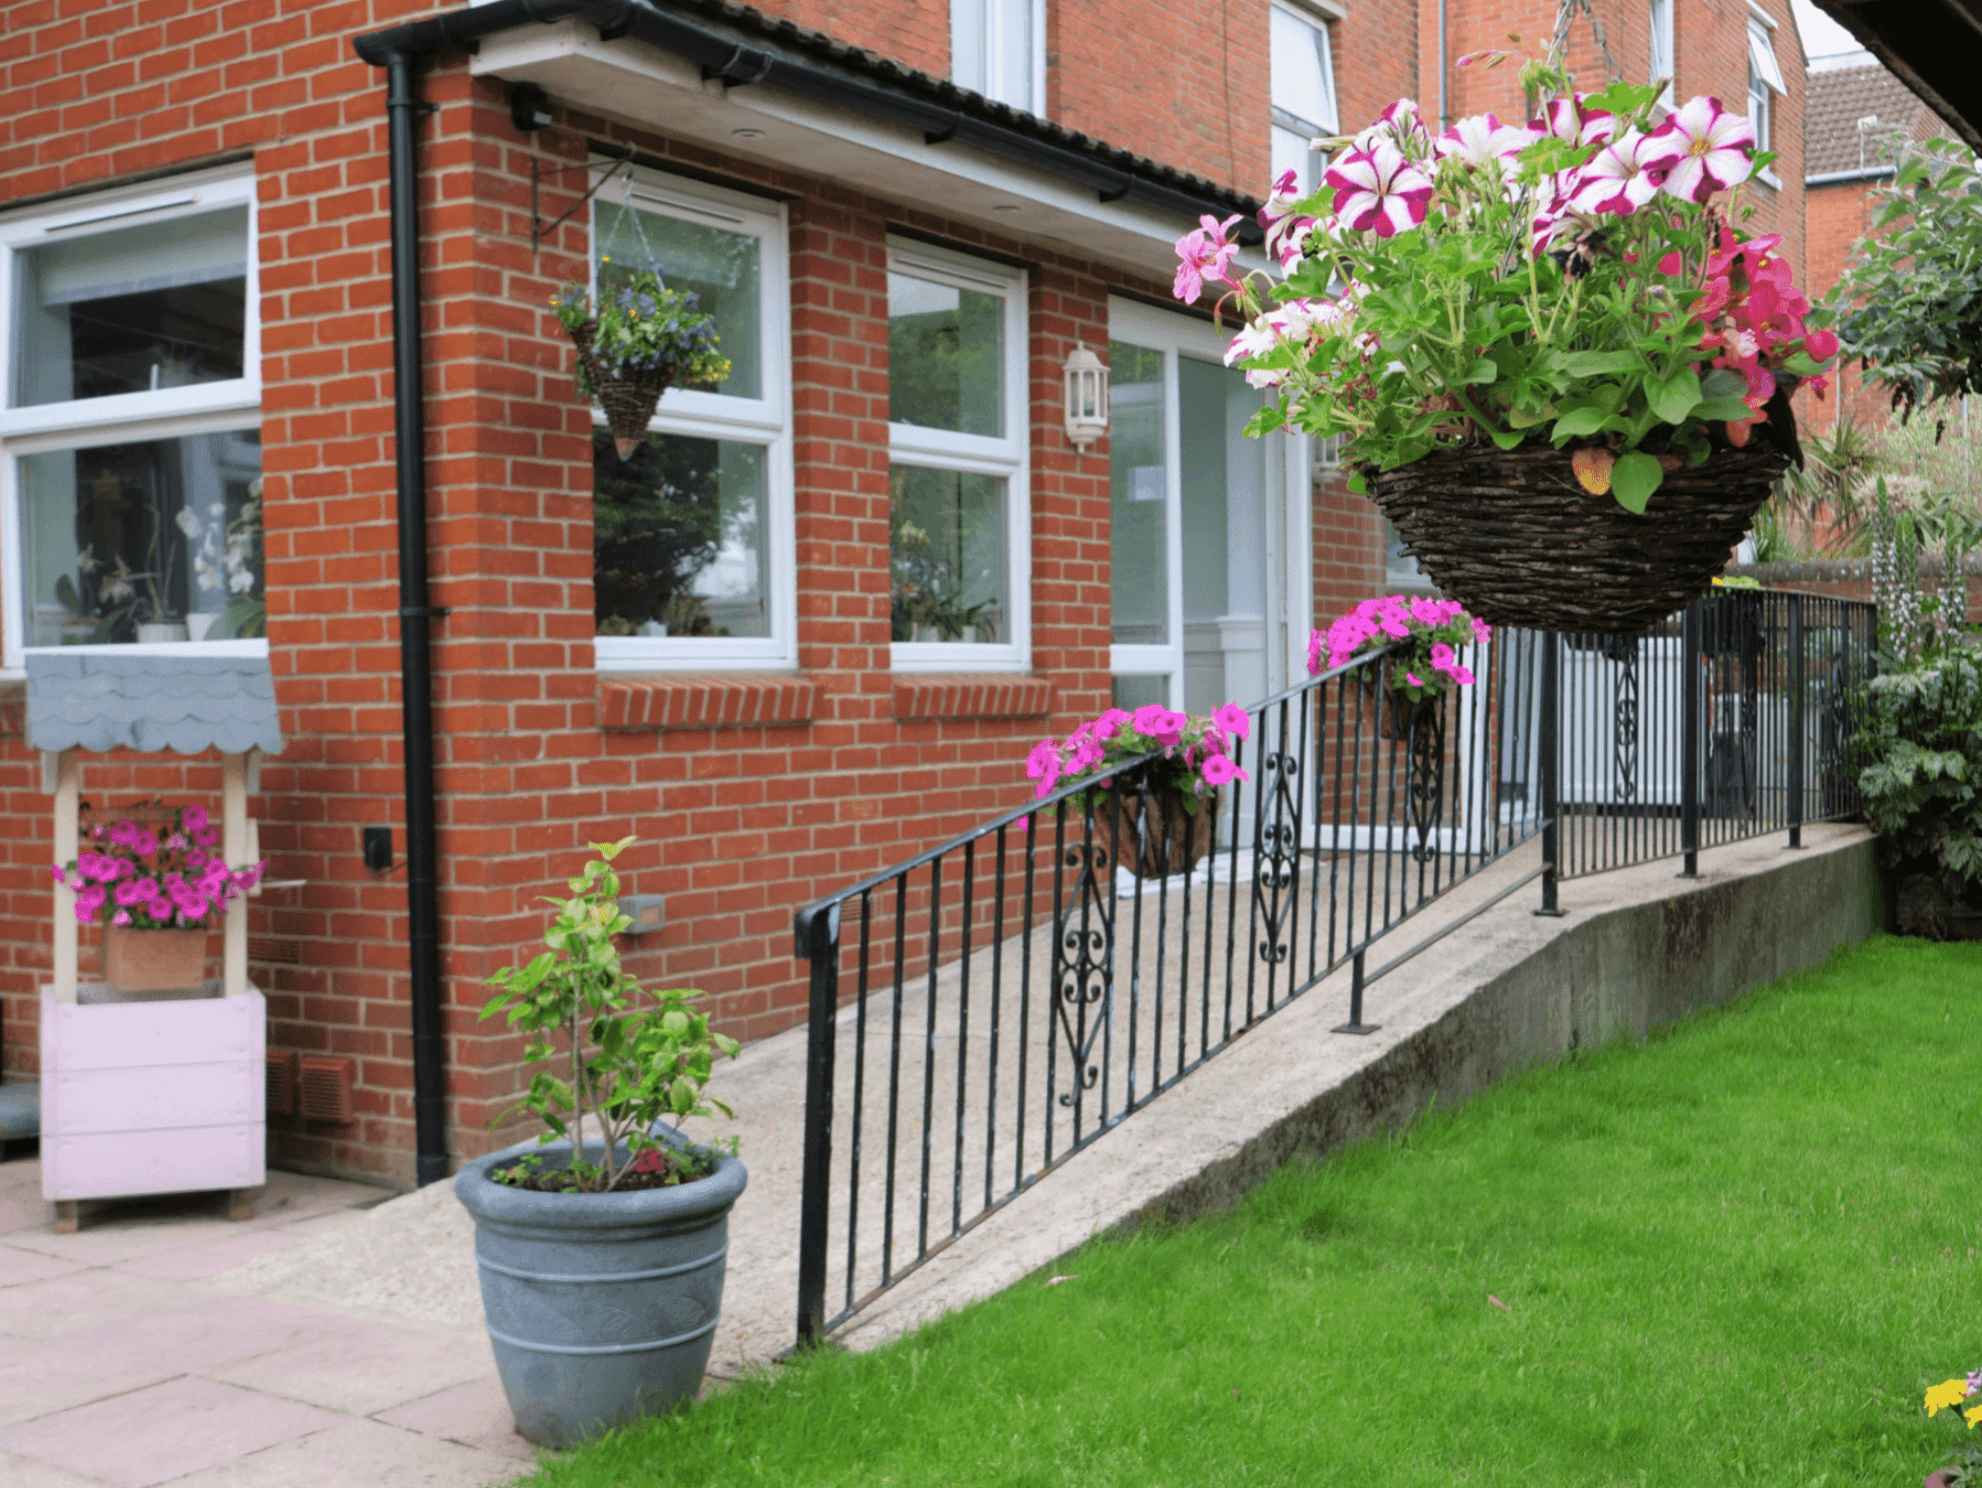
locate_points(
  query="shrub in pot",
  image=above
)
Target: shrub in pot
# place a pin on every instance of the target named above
(601, 1244)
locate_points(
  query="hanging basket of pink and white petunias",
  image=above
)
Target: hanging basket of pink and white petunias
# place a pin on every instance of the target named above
(1555, 360)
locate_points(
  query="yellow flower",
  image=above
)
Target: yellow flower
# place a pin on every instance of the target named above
(1948, 1392)
(1973, 1416)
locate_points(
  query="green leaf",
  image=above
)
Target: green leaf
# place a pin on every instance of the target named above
(1579, 423)
(1522, 418)
(1601, 363)
(1634, 478)
(1673, 399)
(1485, 370)
(1717, 409)
(1719, 382)
(1507, 439)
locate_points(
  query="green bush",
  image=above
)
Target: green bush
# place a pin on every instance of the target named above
(1920, 752)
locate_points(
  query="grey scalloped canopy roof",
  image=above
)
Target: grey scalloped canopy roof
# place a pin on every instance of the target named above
(187, 703)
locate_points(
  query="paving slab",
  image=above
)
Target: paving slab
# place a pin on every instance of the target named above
(154, 1435)
(20, 1266)
(27, 1472)
(368, 1367)
(475, 1414)
(361, 1452)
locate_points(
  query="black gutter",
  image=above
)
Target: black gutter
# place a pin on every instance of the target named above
(739, 63)
(416, 686)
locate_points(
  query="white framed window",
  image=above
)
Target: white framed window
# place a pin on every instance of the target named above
(998, 48)
(130, 436)
(1663, 50)
(1303, 91)
(959, 516)
(694, 554)
(1764, 82)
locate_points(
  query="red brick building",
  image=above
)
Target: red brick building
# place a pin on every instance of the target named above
(906, 216)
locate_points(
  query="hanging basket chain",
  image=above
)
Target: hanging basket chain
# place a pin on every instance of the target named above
(1565, 16)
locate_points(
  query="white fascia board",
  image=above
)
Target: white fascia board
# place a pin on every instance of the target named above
(661, 91)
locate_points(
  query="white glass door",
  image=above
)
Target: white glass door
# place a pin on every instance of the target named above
(1210, 594)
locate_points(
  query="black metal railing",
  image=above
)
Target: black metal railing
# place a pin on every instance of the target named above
(1018, 991)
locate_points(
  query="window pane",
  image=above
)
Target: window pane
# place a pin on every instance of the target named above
(1762, 56)
(946, 357)
(721, 267)
(1291, 153)
(133, 310)
(948, 555)
(1139, 503)
(1134, 692)
(1302, 82)
(1010, 60)
(144, 542)
(678, 538)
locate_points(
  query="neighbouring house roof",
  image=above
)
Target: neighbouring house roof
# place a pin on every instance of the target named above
(1834, 105)
(740, 45)
(1933, 46)
(77, 700)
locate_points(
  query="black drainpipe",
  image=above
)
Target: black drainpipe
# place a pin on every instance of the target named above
(416, 684)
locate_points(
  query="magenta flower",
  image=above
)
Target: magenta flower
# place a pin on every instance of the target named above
(122, 917)
(146, 844)
(194, 817)
(1396, 126)
(1712, 146)
(207, 837)
(1285, 228)
(158, 909)
(1161, 724)
(1576, 122)
(1314, 655)
(1624, 175)
(1483, 140)
(1219, 770)
(1233, 720)
(1379, 190)
(1204, 254)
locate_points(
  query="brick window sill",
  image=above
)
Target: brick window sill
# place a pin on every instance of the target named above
(933, 696)
(696, 700)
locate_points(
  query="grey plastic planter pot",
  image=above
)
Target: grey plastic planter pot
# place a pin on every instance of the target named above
(601, 1307)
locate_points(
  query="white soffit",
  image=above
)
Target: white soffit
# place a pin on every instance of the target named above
(666, 93)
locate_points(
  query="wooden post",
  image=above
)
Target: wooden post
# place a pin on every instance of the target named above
(234, 845)
(68, 837)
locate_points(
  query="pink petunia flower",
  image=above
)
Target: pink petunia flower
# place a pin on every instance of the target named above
(122, 917)
(1285, 228)
(1234, 720)
(1379, 190)
(1574, 120)
(1220, 770)
(194, 817)
(1713, 149)
(1204, 254)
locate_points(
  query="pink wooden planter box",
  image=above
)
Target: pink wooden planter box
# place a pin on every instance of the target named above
(145, 1095)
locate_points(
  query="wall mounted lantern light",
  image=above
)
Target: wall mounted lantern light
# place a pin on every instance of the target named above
(1087, 398)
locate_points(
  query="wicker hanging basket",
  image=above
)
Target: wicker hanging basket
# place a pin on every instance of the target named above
(1158, 836)
(1514, 537)
(629, 400)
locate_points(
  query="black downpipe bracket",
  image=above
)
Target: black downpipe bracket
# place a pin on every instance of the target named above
(416, 684)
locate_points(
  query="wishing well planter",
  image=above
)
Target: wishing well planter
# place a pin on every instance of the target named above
(602, 1306)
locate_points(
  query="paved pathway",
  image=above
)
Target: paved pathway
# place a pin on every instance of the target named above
(124, 1361)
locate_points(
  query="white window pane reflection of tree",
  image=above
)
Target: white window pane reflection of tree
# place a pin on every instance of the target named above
(1303, 78)
(946, 357)
(948, 555)
(134, 310)
(718, 266)
(163, 534)
(1138, 496)
(678, 538)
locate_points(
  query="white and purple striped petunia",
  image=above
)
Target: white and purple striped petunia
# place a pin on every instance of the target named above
(1482, 138)
(1379, 190)
(1712, 146)
(1624, 175)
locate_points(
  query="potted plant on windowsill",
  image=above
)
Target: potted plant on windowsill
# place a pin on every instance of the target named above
(155, 880)
(1558, 364)
(601, 1243)
(638, 341)
(1163, 812)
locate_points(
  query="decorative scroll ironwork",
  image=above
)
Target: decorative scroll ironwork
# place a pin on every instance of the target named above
(1084, 945)
(1624, 725)
(1277, 852)
(1426, 796)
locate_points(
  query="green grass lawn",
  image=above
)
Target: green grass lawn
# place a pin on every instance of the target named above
(1736, 1252)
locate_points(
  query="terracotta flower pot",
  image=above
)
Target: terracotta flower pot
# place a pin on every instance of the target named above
(153, 960)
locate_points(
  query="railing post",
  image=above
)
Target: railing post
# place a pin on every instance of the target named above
(1356, 1024)
(1795, 799)
(1691, 676)
(1548, 765)
(817, 936)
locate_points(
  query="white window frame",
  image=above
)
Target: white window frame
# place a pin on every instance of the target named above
(1008, 456)
(1764, 78)
(978, 62)
(1281, 118)
(1664, 48)
(764, 421)
(123, 418)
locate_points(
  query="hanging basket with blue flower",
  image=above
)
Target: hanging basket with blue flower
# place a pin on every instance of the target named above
(641, 339)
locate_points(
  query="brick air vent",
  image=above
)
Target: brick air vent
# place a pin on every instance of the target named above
(324, 1087)
(281, 1083)
(267, 948)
